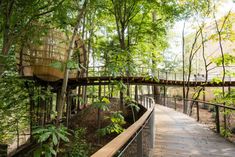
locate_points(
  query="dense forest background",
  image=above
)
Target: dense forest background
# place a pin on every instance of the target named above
(112, 37)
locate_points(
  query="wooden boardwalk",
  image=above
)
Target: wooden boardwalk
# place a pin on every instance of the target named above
(178, 135)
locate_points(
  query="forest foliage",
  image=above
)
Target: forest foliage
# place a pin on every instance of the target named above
(122, 36)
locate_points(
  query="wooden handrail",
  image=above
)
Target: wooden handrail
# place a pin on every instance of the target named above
(117, 143)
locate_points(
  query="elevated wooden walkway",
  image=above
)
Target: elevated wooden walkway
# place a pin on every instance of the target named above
(144, 81)
(178, 135)
(90, 81)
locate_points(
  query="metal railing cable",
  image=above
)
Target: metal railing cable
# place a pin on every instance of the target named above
(158, 74)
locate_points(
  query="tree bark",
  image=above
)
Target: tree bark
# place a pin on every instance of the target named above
(183, 56)
(66, 73)
(6, 45)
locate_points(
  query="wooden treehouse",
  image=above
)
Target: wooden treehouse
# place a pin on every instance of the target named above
(37, 58)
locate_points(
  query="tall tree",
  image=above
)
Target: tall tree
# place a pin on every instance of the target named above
(69, 55)
(18, 17)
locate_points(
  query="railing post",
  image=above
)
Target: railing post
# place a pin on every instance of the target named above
(150, 104)
(140, 145)
(136, 93)
(217, 119)
(147, 100)
(175, 102)
(197, 105)
(164, 88)
(121, 101)
(225, 118)
(141, 99)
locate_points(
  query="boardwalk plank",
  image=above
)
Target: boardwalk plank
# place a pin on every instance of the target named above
(178, 135)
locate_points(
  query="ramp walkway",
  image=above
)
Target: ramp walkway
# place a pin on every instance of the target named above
(178, 135)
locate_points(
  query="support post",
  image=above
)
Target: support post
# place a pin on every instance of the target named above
(164, 102)
(204, 97)
(98, 115)
(68, 102)
(79, 97)
(197, 105)
(121, 101)
(175, 102)
(58, 98)
(140, 145)
(136, 93)
(217, 121)
(84, 96)
(175, 77)
(145, 101)
(150, 104)
(31, 107)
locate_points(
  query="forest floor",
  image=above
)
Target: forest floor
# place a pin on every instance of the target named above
(87, 118)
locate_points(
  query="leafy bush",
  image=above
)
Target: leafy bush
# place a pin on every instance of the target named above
(102, 104)
(80, 148)
(225, 132)
(117, 120)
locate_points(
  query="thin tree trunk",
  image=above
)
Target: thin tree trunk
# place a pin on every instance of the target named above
(66, 73)
(223, 61)
(183, 56)
(7, 41)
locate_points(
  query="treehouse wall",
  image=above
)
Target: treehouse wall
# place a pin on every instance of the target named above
(36, 57)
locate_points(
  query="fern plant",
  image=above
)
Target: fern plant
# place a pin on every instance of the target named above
(49, 138)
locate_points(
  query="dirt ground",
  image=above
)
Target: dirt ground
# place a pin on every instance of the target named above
(87, 118)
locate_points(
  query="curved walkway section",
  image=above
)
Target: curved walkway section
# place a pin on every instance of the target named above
(178, 135)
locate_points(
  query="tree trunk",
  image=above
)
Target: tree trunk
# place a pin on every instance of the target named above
(66, 73)
(183, 53)
(7, 42)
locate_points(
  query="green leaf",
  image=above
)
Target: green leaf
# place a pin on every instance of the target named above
(105, 100)
(38, 131)
(216, 80)
(48, 154)
(52, 150)
(57, 65)
(72, 64)
(135, 106)
(54, 139)
(37, 153)
(44, 137)
(61, 136)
